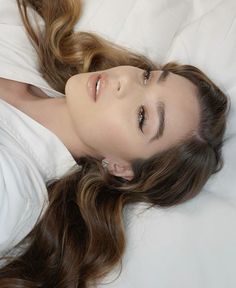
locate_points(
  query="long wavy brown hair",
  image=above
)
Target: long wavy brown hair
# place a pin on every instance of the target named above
(81, 236)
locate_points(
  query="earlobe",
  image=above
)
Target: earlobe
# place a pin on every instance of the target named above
(120, 170)
(123, 171)
(129, 178)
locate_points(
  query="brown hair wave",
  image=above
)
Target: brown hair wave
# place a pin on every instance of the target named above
(81, 236)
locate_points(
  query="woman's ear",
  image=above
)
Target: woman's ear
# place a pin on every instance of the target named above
(119, 169)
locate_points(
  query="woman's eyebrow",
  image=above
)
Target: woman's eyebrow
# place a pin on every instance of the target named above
(163, 76)
(161, 114)
(160, 111)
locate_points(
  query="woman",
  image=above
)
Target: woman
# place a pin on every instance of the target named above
(114, 139)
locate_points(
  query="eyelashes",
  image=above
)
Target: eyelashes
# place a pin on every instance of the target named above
(146, 75)
(141, 118)
(142, 113)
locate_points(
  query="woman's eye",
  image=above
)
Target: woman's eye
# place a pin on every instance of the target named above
(141, 113)
(146, 75)
(141, 118)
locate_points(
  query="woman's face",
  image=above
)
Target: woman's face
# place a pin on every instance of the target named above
(123, 122)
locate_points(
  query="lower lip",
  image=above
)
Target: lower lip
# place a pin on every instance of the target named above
(91, 85)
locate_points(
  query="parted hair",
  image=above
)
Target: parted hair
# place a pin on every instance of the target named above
(81, 235)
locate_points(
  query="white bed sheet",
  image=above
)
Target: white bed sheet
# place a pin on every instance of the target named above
(193, 244)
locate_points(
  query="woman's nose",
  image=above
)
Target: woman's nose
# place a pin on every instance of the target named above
(121, 86)
(118, 85)
(112, 84)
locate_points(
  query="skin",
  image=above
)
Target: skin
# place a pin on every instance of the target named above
(109, 128)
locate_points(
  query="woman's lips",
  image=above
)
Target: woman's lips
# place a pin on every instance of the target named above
(91, 85)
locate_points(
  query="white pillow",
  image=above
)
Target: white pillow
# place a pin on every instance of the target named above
(210, 44)
(145, 26)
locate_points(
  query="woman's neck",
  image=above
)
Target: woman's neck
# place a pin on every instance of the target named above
(52, 113)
